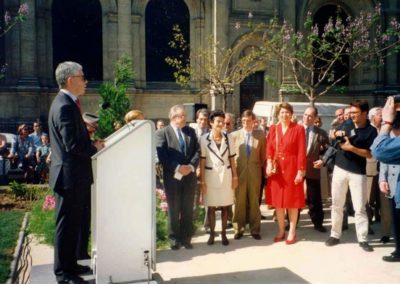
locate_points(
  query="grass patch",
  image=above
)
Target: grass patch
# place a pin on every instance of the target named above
(42, 223)
(10, 224)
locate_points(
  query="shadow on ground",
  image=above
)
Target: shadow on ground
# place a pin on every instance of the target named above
(273, 275)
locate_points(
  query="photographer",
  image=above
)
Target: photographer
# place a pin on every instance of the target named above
(386, 149)
(350, 162)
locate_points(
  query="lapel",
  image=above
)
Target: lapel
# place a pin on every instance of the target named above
(186, 137)
(313, 139)
(172, 135)
(218, 153)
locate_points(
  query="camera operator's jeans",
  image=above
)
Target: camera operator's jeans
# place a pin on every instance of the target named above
(341, 181)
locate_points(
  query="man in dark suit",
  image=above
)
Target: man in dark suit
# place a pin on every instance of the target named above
(317, 142)
(70, 170)
(178, 152)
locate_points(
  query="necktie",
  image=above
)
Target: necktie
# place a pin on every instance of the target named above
(78, 103)
(181, 142)
(248, 146)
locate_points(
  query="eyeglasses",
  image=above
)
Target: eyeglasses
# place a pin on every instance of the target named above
(81, 76)
(179, 115)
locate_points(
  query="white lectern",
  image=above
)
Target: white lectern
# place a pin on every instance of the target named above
(123, 206)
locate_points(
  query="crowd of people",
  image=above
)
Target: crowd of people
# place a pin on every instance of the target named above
(232, 167)
(29, 152)
(227, 168)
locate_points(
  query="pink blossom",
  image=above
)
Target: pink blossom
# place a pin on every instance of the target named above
(49, 203)
(164, 206)
(23, 9)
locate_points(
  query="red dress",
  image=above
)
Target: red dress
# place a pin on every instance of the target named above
(281, 192)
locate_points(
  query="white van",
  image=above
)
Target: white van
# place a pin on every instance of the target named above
(326, 111)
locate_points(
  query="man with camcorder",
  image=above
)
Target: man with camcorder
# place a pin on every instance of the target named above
(354, 137)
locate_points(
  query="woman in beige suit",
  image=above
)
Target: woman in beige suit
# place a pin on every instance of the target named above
(218, 177)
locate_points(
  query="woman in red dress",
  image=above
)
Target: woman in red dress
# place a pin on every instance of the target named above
(286, 145)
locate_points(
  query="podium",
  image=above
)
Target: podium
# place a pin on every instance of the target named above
(123, 206)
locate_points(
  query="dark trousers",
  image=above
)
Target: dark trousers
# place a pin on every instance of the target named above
(69, 218)
(396, 225)
(180, 198)
(314, 201)
(84, 233)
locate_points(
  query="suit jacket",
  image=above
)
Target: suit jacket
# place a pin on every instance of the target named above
(317, 145)
(71, 146)
(249, 168)
(169, 153)
(218, 168)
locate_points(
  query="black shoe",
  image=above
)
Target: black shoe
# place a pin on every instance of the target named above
(263, 217)
(175, 246)
(370, 231)
(82, 269)
(187, 245)
(320, 228)
(256, 236)
(365, 246)
(225, 241)
(391, 258)
(238, 236)
(210, 239)
(73, 280)
(385, 239)
(229, 225)
(332, 242)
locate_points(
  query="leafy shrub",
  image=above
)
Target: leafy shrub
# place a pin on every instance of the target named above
(26, 192)
(115, 104)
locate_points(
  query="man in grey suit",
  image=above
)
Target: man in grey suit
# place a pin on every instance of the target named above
(70, 170)
(317, 142)
(178, 152)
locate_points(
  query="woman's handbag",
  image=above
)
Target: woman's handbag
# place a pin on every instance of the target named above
(275, 165)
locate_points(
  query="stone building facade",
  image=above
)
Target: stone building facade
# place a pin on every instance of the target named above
(96, 32)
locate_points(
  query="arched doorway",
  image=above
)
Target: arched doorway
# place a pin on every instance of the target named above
(77, 35)
(321, 18)
(161, 16)
(251, 90)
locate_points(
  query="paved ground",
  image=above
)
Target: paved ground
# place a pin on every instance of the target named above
(251, 261)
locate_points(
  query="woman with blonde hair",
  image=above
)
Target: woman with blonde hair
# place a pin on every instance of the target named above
(134, 114)
(286, 164)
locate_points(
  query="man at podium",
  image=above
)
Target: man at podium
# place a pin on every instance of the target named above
(70, 170)
(178, 153)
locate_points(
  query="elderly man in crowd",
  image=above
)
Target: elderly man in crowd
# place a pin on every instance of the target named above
(178, 152)
(317, 142)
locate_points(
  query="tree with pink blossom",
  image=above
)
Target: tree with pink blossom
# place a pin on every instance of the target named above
(312, 54)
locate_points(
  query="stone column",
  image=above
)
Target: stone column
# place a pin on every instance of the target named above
(124, 25)
(137, 51)
(28, 66)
